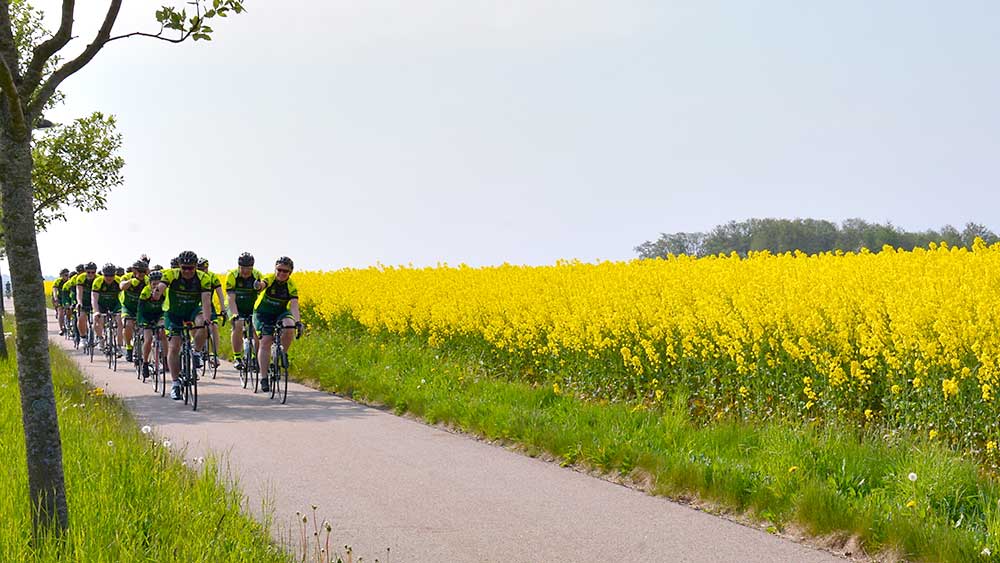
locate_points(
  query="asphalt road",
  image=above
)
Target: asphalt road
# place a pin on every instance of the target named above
(428, 494)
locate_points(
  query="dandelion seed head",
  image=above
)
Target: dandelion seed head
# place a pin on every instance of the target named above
(111, 443)
(912, 477)
(147, 429)
(166, 443)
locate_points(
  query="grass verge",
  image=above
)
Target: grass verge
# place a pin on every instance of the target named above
(900, 495)
(130, 498)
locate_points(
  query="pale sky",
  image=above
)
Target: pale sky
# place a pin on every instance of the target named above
(346, 133)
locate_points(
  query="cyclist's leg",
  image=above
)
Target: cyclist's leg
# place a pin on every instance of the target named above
(129, 328)
(237, 338)
(174, 325)
(215, 334)
(99, 324)
(118, 331)
(287, 335)
(265, 327)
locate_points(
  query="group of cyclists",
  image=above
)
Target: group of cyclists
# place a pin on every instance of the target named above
(185, 294)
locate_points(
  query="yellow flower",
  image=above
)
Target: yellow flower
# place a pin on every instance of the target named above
(991, 446)
(895, 389)
(916, 383)
(911, 504)
(932, 434)
(556, 389)
(869, 414)
(793, 469)
(744, 392)
(949, 387)
(659, 395)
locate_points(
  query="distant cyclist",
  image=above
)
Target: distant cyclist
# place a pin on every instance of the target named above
(218, 302)
(57, 302)
(105, 295)
(132, 285)
(149, 316)
(278, 302)
(242, 294)
(84, 284)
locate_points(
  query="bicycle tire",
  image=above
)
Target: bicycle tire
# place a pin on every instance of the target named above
(193, 390)
(283, 377)
(213, 354)
(245, 367)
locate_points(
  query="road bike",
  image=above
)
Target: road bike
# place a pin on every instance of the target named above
(91, 341)
(278, 370)
(249, 370)
(74, 329)
(188, 376)
(111, 340)
(158, 365)
(137, 343)
(210, 356)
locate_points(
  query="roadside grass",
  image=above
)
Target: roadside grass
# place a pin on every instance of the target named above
(130, 497)
(899, 495)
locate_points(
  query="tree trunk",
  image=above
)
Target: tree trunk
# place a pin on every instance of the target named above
(3, 337)
(34, 375)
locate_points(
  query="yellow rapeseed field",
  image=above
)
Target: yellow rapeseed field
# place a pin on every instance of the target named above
(909, 336)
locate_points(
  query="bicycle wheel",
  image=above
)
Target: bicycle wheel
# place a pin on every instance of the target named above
(112, 340)
(159, 370)
(245, 367)
(282, 377)
(274, 370)
(91, 342)
(185, 369)
(193, 391)
(213, 355)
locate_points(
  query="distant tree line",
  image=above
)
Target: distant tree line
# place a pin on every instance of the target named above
(808, 235)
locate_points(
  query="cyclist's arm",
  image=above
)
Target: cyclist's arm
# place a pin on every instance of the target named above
(293, 307)
(222, 298)
(206, 305)
(94, 298)
(233, 311)
(79, 294)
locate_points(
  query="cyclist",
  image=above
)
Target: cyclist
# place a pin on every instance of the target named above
(174, 263)
(67, 297)
(185, 289)
(277, 302)
(105, 296)
(84, 284)
(218, 301)
(119, 272)
(241, 293)
(57, 299)
(132, 286)
(150, 317)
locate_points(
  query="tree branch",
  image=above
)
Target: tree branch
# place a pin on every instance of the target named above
(44, 50)
(68, 69)
(152, 35)
(19, 128)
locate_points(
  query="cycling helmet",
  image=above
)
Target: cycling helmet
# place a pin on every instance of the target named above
(80, 268)
(203, 263)
(90, 266)
(64, 272)
(140, 266)
(187, 258)
(174, 263)
(144, 259)
(157, 268)
(156, 275)
(119, 271)
(245, 259)
(286, 261)
(108, 270)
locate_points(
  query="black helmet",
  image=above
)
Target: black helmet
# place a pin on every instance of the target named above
(156, 275)
(144, 259)
(203, 262)
(108, 269)
(80, 268)
(64, 272)
(245, 259)
(174, 262)
(187, 258)
(284, 260)
(157, 268)
(140, 266)
(119, 271)
(90, 266)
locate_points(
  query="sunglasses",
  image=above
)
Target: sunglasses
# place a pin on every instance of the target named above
(187, 268)
(284, 271)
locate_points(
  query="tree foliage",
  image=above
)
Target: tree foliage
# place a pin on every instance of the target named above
(808, 235)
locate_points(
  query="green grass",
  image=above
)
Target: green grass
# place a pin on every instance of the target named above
(829, 480)
(130, 498)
